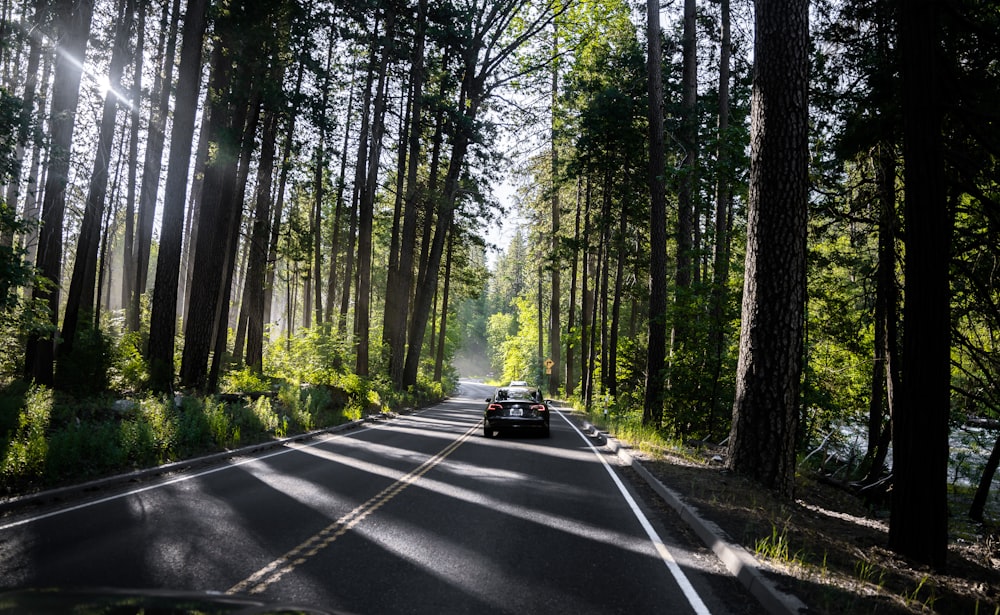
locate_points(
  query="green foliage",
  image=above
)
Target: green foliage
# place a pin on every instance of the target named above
(15, 271)
(513, 342)
(28, 447)
(46, 439)
(129, 371)
(499, 328)
(622, 417)
(244, 381)
(84, 371)
(316, 355)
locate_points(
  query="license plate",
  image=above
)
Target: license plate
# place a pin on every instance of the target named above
(516, 412)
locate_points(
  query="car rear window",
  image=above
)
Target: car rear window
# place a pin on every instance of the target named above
(515, 393)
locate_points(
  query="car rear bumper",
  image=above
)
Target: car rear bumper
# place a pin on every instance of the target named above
(501, 423)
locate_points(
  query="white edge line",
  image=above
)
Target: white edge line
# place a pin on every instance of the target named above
(689, 591)
(281, 451)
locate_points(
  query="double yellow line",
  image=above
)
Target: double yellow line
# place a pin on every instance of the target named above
(273, 572)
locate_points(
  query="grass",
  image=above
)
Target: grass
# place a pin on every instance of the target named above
(47, 439)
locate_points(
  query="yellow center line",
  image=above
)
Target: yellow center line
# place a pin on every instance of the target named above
(270, 574)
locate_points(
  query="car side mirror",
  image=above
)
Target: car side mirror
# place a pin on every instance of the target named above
(488, 399)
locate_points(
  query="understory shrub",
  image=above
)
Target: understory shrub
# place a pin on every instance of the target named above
(28, 447)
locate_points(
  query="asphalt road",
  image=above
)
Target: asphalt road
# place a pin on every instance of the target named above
(420, 514)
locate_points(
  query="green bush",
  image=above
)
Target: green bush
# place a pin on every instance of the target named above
(316, 355)
(28, 449)
(129, 371)
(244, 381)
(84, 371)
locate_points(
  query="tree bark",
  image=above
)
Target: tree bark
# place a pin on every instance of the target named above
(571, 314)
(766, 409)
(918, 523)
(151, 175)
(555, 267)
(366, 210)
(400, 279)
(723, 206)
(128, 265)
(254, 303)
(652, 407)
(686, 193)
(73, 19)
(216, 212)
(443, 335)
(80, 297)
(163, 319)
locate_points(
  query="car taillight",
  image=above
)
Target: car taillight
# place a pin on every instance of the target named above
(494, 407)
(539, 408)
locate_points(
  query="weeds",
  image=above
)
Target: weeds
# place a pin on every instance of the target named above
(776, 548)
(915, 598)
(870, 573)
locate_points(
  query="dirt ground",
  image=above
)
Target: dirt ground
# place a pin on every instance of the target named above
(829, 547)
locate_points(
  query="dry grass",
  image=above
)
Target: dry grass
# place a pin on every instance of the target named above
(829, 547)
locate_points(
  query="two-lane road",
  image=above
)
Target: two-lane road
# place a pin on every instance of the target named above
(420, 514)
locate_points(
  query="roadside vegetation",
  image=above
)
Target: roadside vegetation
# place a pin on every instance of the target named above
(87, 430)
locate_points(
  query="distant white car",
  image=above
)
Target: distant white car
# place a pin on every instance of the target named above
(517, 383)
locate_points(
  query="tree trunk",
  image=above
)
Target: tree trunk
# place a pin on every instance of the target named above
(555, 327)
(27, 112)
(723, 205)
(400, 279)
(73, 18)
(570, 323)
(163, 319)
(336, 232)
(885, 309)
(366, 210)
(194, 204)
(605, 251)
(918, 524)
(80, 297)
(443, 336)
(766, 409)
(687, 191)
(249, 122)
(151, 174)
(253, 303)
(35, 180)
(469, 103)
(616, 308)
(360, 169)
(320, 186)
(983, 490)
(128, 265)
(216, 212)
(652, 407)
(587, 297)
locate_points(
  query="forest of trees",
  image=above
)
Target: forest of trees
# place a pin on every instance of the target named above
(747, 222)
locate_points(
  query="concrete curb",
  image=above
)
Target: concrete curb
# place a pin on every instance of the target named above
(740, 563)
(73, 491)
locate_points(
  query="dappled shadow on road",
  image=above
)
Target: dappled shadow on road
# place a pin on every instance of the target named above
(423, 502)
